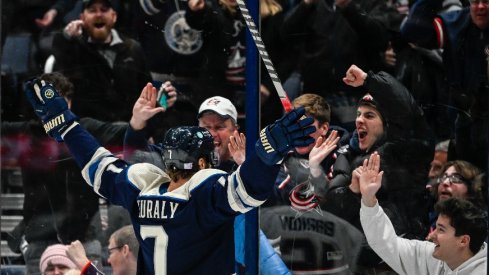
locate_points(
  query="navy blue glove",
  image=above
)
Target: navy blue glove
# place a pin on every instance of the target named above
(292, 130)
(50, 107)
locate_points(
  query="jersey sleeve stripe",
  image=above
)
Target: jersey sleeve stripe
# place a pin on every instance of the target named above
(105, 164)
(93, 170)
(89, 170)
(243, 195)
(233, 198)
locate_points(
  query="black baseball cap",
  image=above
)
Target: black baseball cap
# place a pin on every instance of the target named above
(87, 3)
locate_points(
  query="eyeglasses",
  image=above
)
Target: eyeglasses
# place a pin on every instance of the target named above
(113, 248)
(455, 178)
(477, 2)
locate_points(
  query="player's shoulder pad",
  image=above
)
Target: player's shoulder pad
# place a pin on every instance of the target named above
(203, 175)
(146, 176)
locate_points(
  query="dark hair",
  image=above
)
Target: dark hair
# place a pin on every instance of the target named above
(60, 82)
(177, 174)
(470, 172)
(467, 219)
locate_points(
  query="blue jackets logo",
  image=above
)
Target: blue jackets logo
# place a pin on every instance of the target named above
(49, 93)
(180, 37)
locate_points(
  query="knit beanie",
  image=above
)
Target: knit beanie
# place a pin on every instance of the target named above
(368, 100)
(56, 255)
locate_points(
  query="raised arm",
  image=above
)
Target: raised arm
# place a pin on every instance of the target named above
(419, 27)
(103, 172)
(370, 179)
(76, 252)
(398, 106)
(144, 109)
(404, 256)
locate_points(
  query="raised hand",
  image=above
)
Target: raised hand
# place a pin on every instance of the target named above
(237, 147)
(321, 150)
(355, 76)
(171, 93)
(47, 18)
(355, 180)
(292, 130)
(370, 179)
(50, 107)
(196, 5)
(145, 107)
(74, 28)
(76, 253)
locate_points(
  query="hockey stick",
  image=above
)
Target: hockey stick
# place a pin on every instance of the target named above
(264, 56)
(299, 201)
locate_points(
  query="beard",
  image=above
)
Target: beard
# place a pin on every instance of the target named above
(100, 35)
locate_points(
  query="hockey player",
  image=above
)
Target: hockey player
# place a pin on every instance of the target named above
(183, 219)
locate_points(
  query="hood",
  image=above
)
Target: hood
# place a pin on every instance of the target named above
(475, 265)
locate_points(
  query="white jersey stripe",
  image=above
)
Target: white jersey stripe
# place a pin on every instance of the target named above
(243, 195)
(233, 197)
(101, 168)
(97, 156)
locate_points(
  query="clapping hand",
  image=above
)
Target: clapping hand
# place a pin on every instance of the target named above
(237, 147)
(321, 150)
(370, 179)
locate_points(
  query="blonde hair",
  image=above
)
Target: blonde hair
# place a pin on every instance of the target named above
(269, 8)
(315, 105)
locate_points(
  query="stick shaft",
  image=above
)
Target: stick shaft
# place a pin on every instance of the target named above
(264, 56)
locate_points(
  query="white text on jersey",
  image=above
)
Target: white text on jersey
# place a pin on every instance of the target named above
(156, 209)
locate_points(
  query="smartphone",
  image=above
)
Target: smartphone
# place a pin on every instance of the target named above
(161, 97)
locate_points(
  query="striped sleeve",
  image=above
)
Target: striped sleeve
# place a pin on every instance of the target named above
(238, 198)
(101, 161)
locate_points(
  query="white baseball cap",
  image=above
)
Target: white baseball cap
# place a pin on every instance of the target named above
(220, 105)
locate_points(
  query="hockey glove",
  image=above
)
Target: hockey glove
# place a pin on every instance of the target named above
(286, 133)
(50, 107)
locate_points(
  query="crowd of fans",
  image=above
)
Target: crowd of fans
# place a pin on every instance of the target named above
(406, 82)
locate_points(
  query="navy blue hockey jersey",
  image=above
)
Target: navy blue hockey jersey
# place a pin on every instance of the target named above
(188, 230)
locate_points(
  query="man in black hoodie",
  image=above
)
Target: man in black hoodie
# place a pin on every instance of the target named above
(391, 123)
